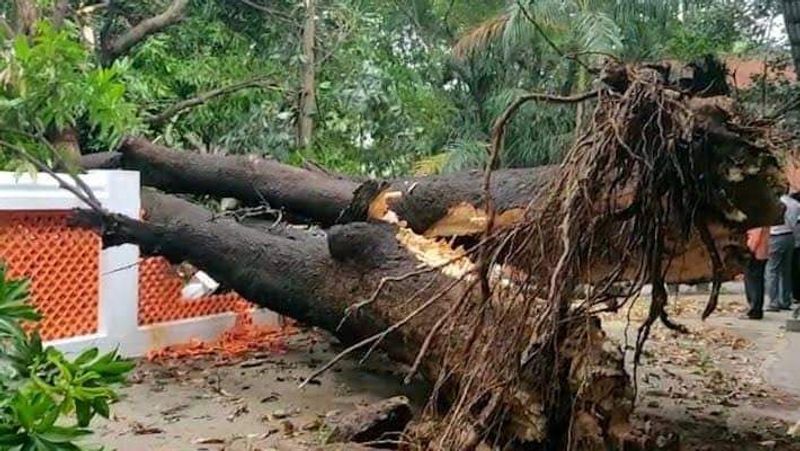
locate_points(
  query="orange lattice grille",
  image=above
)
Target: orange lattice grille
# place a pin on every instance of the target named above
(62, 264)
(160, 297)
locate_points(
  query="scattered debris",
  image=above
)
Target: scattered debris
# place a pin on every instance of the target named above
(271, 398)
(209, 441)
(794, 431)
(372, 422)
(240, 410)
(243, 337)
(140, 429)
(312, 425)
(288, 427)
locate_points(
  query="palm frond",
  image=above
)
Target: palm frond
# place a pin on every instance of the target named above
(598, 33)
(480, 37)
(465, 154)
(430, 165)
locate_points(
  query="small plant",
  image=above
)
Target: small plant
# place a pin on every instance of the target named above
(47, 400)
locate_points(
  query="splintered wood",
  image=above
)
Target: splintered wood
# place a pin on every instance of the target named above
(436, 253)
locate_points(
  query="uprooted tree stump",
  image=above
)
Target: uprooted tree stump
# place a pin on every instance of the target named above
(658, 189)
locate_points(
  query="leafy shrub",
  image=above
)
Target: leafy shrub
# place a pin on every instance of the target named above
(51, 83)
(47, 400)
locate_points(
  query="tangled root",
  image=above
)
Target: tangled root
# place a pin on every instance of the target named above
(528, 363)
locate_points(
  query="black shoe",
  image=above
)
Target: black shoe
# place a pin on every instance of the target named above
(772, 309)
(786, 308)
(749, 316)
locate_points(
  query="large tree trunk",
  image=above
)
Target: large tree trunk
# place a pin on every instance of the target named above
(315, 280)
(635, 201)
(435, 206)
(308, 93)
(445, 205)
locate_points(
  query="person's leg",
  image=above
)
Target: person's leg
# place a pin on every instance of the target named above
(771, 274)
(787, 244)
(754, 287)
(796, 274)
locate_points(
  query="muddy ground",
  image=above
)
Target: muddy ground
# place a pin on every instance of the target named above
(729, 385)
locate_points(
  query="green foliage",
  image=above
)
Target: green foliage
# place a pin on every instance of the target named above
(714, 29)
(47, 400)
(50, 83)
(390, 94)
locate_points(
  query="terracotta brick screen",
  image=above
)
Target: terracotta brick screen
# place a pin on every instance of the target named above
(62, 264)
(160, 297)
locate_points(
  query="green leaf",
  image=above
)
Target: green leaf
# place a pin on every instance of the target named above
(83, 412)
(101, 407)
(86, 356)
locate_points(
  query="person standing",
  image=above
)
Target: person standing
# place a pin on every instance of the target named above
(758, 243)
(779, 265)
(796, 256)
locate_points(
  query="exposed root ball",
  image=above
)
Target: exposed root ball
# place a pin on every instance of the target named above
(656, 168)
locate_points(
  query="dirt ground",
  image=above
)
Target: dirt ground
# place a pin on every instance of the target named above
(728, 385)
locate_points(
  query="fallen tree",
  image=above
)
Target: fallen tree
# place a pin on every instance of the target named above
(443, 205)
(299, 277)
(660, 184)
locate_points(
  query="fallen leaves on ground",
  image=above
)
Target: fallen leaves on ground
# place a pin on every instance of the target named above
(244, 337)
(140, 429)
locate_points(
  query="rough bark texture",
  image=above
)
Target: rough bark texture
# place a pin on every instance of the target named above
(124, 42)
(297, 276)
(383, 420)
(444, 205)
(791, 17)
(254, 181)
(308, 94)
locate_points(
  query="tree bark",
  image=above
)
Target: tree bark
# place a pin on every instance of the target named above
(791, 17)
(304, 277)
(444, 205)
(383, 420)
(254, 181)
(121, 44)
(308, 98)
(26, 15)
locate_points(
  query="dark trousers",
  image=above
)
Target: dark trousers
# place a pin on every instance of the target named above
(779, 271)
(796, 274)
(754, 287)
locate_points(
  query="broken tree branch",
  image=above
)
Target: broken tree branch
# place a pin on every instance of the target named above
(202, 98)
(124, 42)
(280, 15)
(80, 190)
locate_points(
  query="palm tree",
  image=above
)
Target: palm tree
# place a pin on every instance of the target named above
(543, 45)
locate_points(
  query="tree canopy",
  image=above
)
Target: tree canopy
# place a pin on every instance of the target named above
(398, 85)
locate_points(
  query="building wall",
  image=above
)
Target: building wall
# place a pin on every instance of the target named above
(104, 297)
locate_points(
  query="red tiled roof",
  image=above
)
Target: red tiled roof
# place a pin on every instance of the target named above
(744, 70)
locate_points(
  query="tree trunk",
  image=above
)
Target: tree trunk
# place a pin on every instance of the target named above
(66, 141)
(616, 211)
(791, 17)
(304, 276)
(444, 205)
(308, 98)
(26, 15)
(254, 181)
